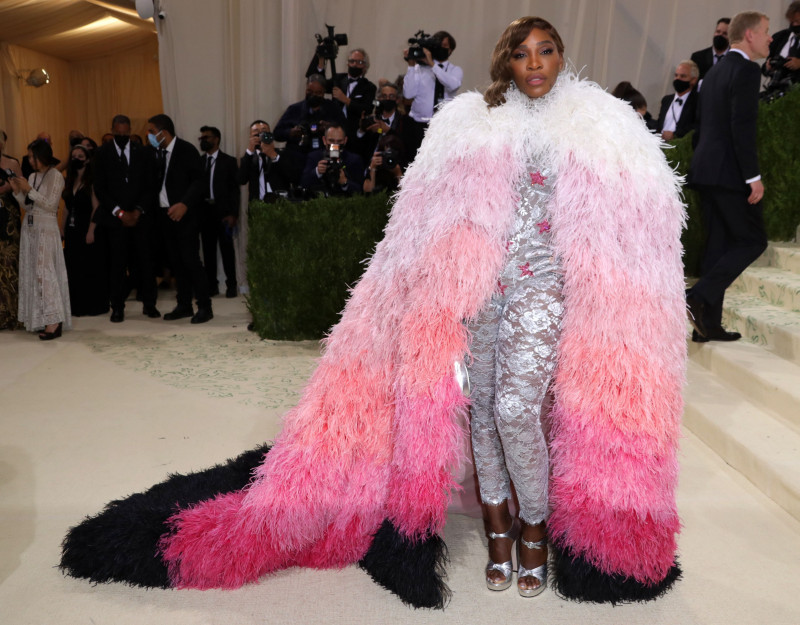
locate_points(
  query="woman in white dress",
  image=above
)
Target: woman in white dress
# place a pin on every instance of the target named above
(43, 288)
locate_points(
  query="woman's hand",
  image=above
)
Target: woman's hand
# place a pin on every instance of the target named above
(20, 185)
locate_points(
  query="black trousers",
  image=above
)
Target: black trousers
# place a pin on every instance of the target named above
(182, 241)
(735, 238)
(414, 132)
(131, 245)
(212, 231)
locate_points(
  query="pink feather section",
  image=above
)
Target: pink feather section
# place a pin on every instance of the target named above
(616, 420)
(377, 432)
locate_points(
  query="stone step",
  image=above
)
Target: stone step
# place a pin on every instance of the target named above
(748, 438)
(781, 255)
(767, 380)
(776, 286)
(761, 323)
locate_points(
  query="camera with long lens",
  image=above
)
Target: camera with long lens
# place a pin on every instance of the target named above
(333, 159)
(328, 47)
(421, 41)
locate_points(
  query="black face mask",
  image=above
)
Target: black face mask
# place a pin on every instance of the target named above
(440, 54)
(720, 42)
(680, 85)
(205, 145)
(121, 141)
(795, 29)
(386, 107)
(314, 100)
(77, 163)
(354, 72)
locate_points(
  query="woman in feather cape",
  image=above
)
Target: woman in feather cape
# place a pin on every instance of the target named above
(363, 467)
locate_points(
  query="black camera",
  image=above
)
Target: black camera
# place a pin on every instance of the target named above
(421, 41)
(367, 121)
(389, 158)
(334, 165)
(777, 62)
(266, 137)
(328, 47)
(310, 131)
(6, 175)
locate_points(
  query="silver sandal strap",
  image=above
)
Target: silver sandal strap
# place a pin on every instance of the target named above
(539, 544)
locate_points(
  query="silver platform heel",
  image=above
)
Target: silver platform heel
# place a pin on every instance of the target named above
(506, 567)
(540, 572)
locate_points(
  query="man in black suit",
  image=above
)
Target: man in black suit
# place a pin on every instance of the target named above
(387, 120)
(708, 57)
(783, 62)
(179, 191)
(333, 170)
(262, 167)
(353, 91)
(303, 125)
(123, 185)
(221, 211)
(678, 114)
(725, 170)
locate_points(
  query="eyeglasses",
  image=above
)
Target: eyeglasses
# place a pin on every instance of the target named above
(356, 62)
(387, 96)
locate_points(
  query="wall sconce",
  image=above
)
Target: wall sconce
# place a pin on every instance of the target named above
(35, 77)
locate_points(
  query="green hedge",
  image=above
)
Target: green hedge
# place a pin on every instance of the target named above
(779, 159)
(303, 257)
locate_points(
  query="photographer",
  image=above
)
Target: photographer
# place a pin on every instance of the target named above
(303, 124)
(783, 62)
(429, 80)
(262, 167)
(353, 91)
(333, 170)
(385, 168)
(386, 120)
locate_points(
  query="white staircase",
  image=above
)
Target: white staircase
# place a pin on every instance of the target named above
(743, 398)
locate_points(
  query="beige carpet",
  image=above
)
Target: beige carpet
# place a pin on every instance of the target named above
(110, 409)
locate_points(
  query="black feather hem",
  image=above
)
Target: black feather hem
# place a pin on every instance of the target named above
(576, 578)
(120, 544)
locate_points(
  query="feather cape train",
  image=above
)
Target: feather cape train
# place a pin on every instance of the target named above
(365, 461)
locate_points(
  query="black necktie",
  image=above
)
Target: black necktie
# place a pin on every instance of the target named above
(438, 90)
(124, 161)
(717, 57)
(208, 163)
(162, 166)
(794, 49)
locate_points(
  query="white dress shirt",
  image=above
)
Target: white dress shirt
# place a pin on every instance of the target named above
(420, 84)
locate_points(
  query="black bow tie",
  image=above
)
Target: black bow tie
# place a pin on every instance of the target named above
(678, 101)
(352, 80)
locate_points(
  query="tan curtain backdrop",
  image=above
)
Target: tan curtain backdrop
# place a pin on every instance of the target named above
(82, 95)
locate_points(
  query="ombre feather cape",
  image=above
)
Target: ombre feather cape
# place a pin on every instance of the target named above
(368, 454)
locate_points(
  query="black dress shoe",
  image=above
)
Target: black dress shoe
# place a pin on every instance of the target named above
(117, 315)
(694, 310)
(202, 315)
(151, 311)
(179, 312)
(49, 336)
(721, 334)
(231, 291)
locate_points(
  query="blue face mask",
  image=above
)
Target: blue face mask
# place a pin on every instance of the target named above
(156, 143)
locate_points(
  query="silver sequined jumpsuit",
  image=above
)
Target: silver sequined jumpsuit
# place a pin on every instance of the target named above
(514, 348)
